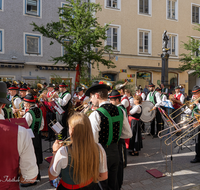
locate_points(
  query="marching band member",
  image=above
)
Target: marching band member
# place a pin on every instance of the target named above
(140, 93)
(154, 97)
(124, 99)
(130, 97)
(196, 108)
(79, 97)
(50, 115)
(18, 150)
(22, 91)
(178, 101)
(115, 99)
(135, 143)
(81, 164)
(14, 97)
(35, 121)
(101, 121)
(164, 90)
(162, 96)
(64, 99)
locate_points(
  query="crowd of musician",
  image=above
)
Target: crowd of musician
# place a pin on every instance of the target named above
(114, 117)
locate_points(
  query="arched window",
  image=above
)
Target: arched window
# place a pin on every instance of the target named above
(143, 78)
(172, 80)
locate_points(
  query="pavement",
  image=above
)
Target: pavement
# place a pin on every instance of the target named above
(178, 174)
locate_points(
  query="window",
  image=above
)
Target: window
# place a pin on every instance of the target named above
(143, 78)
(172, 9)
(144, 7)
(173, 45)
(1, 5)
(64, 50)
(173, 80)
(33, 44)
(113, 38)
(113, 4)
(195, 14)
(32, 7)
(196, 43)
(1, 41)
(144, 42)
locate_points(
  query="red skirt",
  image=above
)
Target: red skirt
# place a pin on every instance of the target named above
(129, 120)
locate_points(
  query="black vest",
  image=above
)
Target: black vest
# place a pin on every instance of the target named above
(65, 108)
(36, 111)
(104, 125)
(137, 115)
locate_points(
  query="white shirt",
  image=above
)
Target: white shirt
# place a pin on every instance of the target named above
(125, 102)
(65, 100)
(61, 161)
(135, 109)
(29, 120)
(131, 100)
(158, 99)
(142, 95)
(27, 161)
(95, 120)
(164, 99)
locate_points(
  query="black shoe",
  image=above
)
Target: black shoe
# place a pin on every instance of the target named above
(194, 161)
(134, 154)
(155, 136)
(28, 184)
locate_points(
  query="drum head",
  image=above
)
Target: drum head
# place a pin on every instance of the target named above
(147, 115)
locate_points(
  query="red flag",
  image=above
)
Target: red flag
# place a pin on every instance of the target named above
(77, 76)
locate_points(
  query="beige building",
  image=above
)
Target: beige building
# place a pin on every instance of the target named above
(135, 34)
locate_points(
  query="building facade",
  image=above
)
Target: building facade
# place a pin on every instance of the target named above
(135, 34)
(25, 55)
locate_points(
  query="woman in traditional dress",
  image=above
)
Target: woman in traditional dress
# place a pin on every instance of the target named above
(81, 164)
(134, 119)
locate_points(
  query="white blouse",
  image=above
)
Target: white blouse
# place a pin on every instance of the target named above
(135, 109)
(61, 161)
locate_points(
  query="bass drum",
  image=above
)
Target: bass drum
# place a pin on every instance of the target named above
(147, 114)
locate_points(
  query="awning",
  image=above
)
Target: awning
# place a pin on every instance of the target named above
(156, 69)
(55, 68)
(33, 78)
(11, 64)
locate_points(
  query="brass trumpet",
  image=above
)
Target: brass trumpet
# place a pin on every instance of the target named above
(82, 106)
(66, 142)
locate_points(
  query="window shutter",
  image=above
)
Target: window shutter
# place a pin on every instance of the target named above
(1, 4)
(109, 37)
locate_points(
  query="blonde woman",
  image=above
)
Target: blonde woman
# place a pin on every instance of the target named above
(81, 164)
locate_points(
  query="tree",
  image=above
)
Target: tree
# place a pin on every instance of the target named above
(191, 60)
(80, 34)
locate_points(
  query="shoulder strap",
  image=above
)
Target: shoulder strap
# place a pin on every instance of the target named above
(124, 109)
(112, 120)
(35, 119)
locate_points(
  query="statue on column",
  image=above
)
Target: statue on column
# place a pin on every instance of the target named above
(165, 38)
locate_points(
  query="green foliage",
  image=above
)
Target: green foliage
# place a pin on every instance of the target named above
(80, 34)
(191, 60)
